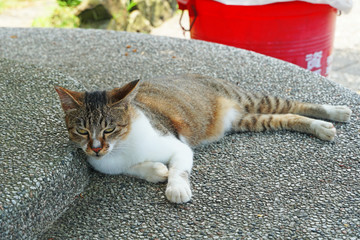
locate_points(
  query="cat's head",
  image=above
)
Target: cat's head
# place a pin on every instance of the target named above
(97, 120)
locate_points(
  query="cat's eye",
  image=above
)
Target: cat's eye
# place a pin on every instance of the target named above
(109, 130)
(82, 131)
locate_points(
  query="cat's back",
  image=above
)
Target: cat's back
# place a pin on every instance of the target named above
(193, 89)
(183, 105)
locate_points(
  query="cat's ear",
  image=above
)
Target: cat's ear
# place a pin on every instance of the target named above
(70, 100)
(125, 93)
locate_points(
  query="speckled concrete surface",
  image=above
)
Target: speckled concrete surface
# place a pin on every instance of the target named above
(263, 185)
(40, 173)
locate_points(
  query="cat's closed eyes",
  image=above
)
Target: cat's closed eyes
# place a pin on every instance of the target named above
(147, 129)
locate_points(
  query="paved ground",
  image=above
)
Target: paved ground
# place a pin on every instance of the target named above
(250, 186)
(36, 177)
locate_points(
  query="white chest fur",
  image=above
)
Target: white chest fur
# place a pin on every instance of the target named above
(142, 144)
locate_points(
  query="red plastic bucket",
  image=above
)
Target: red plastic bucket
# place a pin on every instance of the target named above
(298, 32)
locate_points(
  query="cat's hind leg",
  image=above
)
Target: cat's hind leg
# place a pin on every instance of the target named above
(257, 103)
(260, 122)
(328, 112)
(338, 113)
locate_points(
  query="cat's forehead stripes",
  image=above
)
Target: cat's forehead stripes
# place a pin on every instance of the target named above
(95, 100)
(94, 103)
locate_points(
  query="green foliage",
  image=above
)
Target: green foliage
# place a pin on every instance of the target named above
(68, 3)
(130, 6)
(62, 17)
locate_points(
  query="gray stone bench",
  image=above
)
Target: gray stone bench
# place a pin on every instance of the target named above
(251, 185)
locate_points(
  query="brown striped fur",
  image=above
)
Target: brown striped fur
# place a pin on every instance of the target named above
(195, 107)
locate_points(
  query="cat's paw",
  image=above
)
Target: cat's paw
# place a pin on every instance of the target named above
(178, 191)
(323, 130)
(338, 113)
(159, 173)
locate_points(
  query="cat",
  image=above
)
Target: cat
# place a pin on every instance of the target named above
(148, 129)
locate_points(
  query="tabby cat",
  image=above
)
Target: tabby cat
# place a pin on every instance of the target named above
(147, 129)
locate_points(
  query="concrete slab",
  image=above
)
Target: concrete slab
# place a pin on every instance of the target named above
(251, 185)
(40, 172)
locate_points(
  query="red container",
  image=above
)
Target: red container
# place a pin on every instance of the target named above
(298, 32)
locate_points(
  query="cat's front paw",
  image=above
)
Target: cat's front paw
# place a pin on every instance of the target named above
(159, 173)
(178, 192)
(338, 113)
(323, 130)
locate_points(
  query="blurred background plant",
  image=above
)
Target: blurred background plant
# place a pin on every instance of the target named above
(131, 5)
(62, 16)
(123, 15)
(68, 3)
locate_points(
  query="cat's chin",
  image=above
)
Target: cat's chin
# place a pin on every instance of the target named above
(96, 157)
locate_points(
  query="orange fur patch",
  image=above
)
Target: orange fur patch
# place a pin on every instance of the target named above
(216, 127)
(166, 108)
(132, 115)
(181, 127)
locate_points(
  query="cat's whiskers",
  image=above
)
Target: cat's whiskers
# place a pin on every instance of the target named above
(120, 148)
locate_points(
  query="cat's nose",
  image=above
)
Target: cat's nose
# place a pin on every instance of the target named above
(96, 146)
(96, 149)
